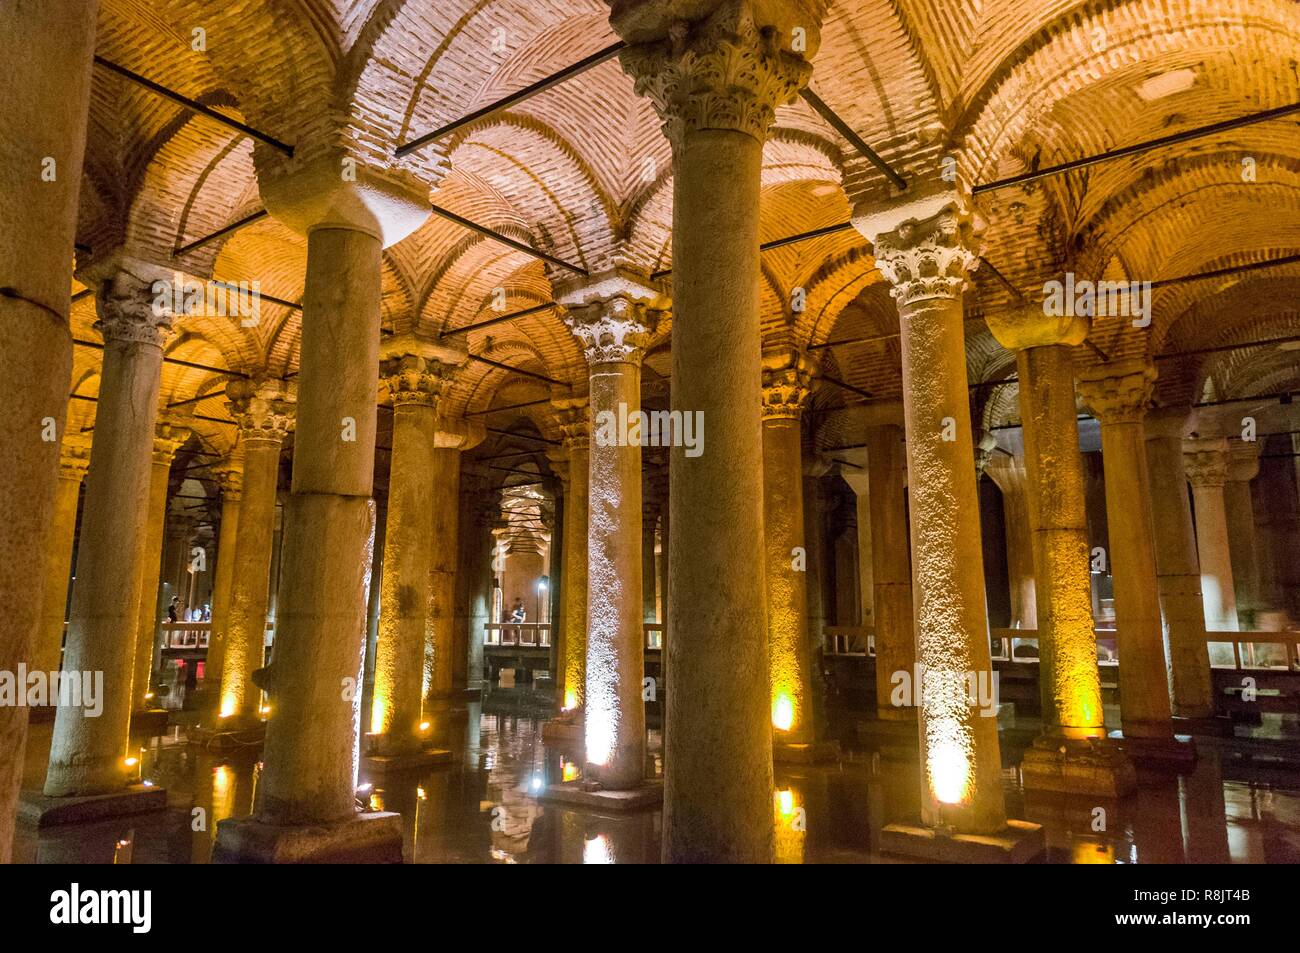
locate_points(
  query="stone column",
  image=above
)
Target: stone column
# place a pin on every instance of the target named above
(613, 315)
(1117, 395)
(264, 411)
(169, 436)
(571, 652)
(230, 478)
(892, 569)
(1178, 569)
(860, 483)
(42, 134)
(1239, 511)
(414, 382)
(649, 520)
(716, 82)
(1072, 753)
(87, 754)
(1206, 462)
(73, 461)
(924, 249)
(787, 380)
(1012, 478)
(478, 565)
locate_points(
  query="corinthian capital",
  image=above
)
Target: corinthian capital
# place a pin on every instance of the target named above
(1205, 461)
(1119, 392)
(613, 315)
(726, 69)
(787, 382)
(264, 409)
(74, 457)
(1243, 461)
(414, 380)
(131, 311)
(575, 422)
(169, 435)
(925, 248)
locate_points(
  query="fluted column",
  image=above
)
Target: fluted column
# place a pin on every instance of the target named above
(892, 566)
(1012, 479)
(924, 249)
(73, 462)
(612, 316)
(414, 383)
(716, 82)
(1117, 394)
(230, 479)
(571, 651)
(87, 755)
(1177, 565)
(42, 119)
(1205, 460)
(1239, 512)
(264, 410)
(787, 379)
(169, 436)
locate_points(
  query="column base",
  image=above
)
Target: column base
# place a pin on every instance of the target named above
(374, 837)
(149, 721)
(583, 796)
(39, 810)
(1176, 751)
(807, 752)
(1218, 726)
(402, 762)
(1018, 843)
(1094, 766)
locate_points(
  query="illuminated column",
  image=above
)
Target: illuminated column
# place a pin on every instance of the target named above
(1239, 513)
(1179, 572)
(1072, 753)
(42, 139)
(264, 411)
(1117, 394)
(924, 249)
(169, 436)
(716, 82)
(892, 566)
(230, 479)
(73, 461)
(571, 653)
(1012, 478)
(787, 378)
(613, 316)
(414, 382)
(1206, 463)
(87, 755)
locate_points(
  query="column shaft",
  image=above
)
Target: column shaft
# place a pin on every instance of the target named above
(892, 566)
(227, 542)
(572, 661)
(444, 474)
(1215, 553)
(47, 650)
(150, 581)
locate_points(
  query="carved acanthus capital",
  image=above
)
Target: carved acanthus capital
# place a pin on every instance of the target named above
(169, 435)
(787, 382)
(728, 70)
(412, 380)
(74, 457)
(1118, 392)
(131, 312)
(612, 314)
(264, 409)
(575, 423)
(924, 248)
(1243, 461)
(1205, 461)
(230, 478)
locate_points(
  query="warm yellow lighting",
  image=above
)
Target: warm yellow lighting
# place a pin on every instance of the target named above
(783, 712)
(132, 762)
(570, 700)
(785, 802)
(378, 710)
(596, 851)
(424, 726)
(376, 802)
(229, 705)
(420, 793)
(600, 736)
(568, 770)
(949, 772)
(148, 695)
(266, 709)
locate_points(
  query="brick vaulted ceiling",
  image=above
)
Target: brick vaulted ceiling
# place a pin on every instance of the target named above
(583, 172)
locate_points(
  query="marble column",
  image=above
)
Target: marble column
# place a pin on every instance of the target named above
(88, 753)
(230, 480)
(860, 483)
(414, 382)
(892, 569)
(264, 410)
(1205, 460)
(1071, 753)
(787, 383)
(1177, 567)
(571, 650)
(1117, 394)
(924, 248)
(716, 82)
(74, 459)
(613, 316)
(1012, 479)
(169, 436)
(649, 521)
(477, 568)
(42, 132)
(1239, 511)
